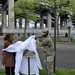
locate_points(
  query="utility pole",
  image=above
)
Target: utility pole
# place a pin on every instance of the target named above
(55, 24)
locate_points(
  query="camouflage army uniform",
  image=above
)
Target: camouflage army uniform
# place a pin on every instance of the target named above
(47, 44)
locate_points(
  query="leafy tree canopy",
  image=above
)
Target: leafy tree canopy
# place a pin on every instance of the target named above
(67, 8)
(24, 8)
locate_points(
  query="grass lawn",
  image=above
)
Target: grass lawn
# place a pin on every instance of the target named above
(65, 72)
(58, 72)
(2, 72)
(73, 41)
(59, 39)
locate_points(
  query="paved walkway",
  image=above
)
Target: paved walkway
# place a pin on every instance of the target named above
(65, 56)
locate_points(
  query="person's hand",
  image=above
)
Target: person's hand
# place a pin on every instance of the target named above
(36, 38)
(37, 41)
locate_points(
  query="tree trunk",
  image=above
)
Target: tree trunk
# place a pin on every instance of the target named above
(58, 27)
(24, 35)
(26, 23)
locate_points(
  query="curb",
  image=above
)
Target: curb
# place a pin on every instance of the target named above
(65, 43)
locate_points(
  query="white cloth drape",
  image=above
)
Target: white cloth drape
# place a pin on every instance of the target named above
(21, 64)
(12, 47)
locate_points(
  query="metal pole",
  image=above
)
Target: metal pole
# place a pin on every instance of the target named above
(55, 9)
(55, 15)
(28, 65)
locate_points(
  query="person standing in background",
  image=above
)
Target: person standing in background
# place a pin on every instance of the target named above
(8, 59)
(49, 53)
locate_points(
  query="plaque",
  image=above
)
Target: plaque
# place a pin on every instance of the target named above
(28, 53)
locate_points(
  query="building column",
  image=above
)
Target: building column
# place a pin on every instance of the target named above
(10, 14)
(4, 19)
(58, 25)
(27, 24)
(59, 22)
(41, 24)
(15, 24)
(48, 20)
(35, 24)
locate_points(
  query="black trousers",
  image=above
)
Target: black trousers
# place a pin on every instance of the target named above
(9, 70)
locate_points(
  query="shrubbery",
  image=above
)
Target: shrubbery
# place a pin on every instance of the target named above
(66, 34)
(43, 72)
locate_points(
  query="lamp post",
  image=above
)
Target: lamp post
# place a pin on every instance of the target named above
(55, 9)
(55, 15)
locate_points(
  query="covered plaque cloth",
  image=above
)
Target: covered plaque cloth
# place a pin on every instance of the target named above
(21, 64)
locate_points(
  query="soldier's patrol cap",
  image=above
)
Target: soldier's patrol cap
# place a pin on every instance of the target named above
(45, 30)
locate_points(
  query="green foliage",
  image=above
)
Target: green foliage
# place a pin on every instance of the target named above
(66, 34)
(34, 18)
(2, 72)
(25, 8)
(65, 72)
(43, 72)
(51, 2)
(68, 8)
(73, 40)
(59, 39)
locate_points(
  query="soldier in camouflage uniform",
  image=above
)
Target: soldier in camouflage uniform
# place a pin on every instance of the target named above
(47, 44)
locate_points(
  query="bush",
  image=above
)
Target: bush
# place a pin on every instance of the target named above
(43, 72)
(2, 72)
(66, 34)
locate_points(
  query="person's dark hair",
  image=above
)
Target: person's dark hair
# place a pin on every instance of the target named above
(7, 37)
